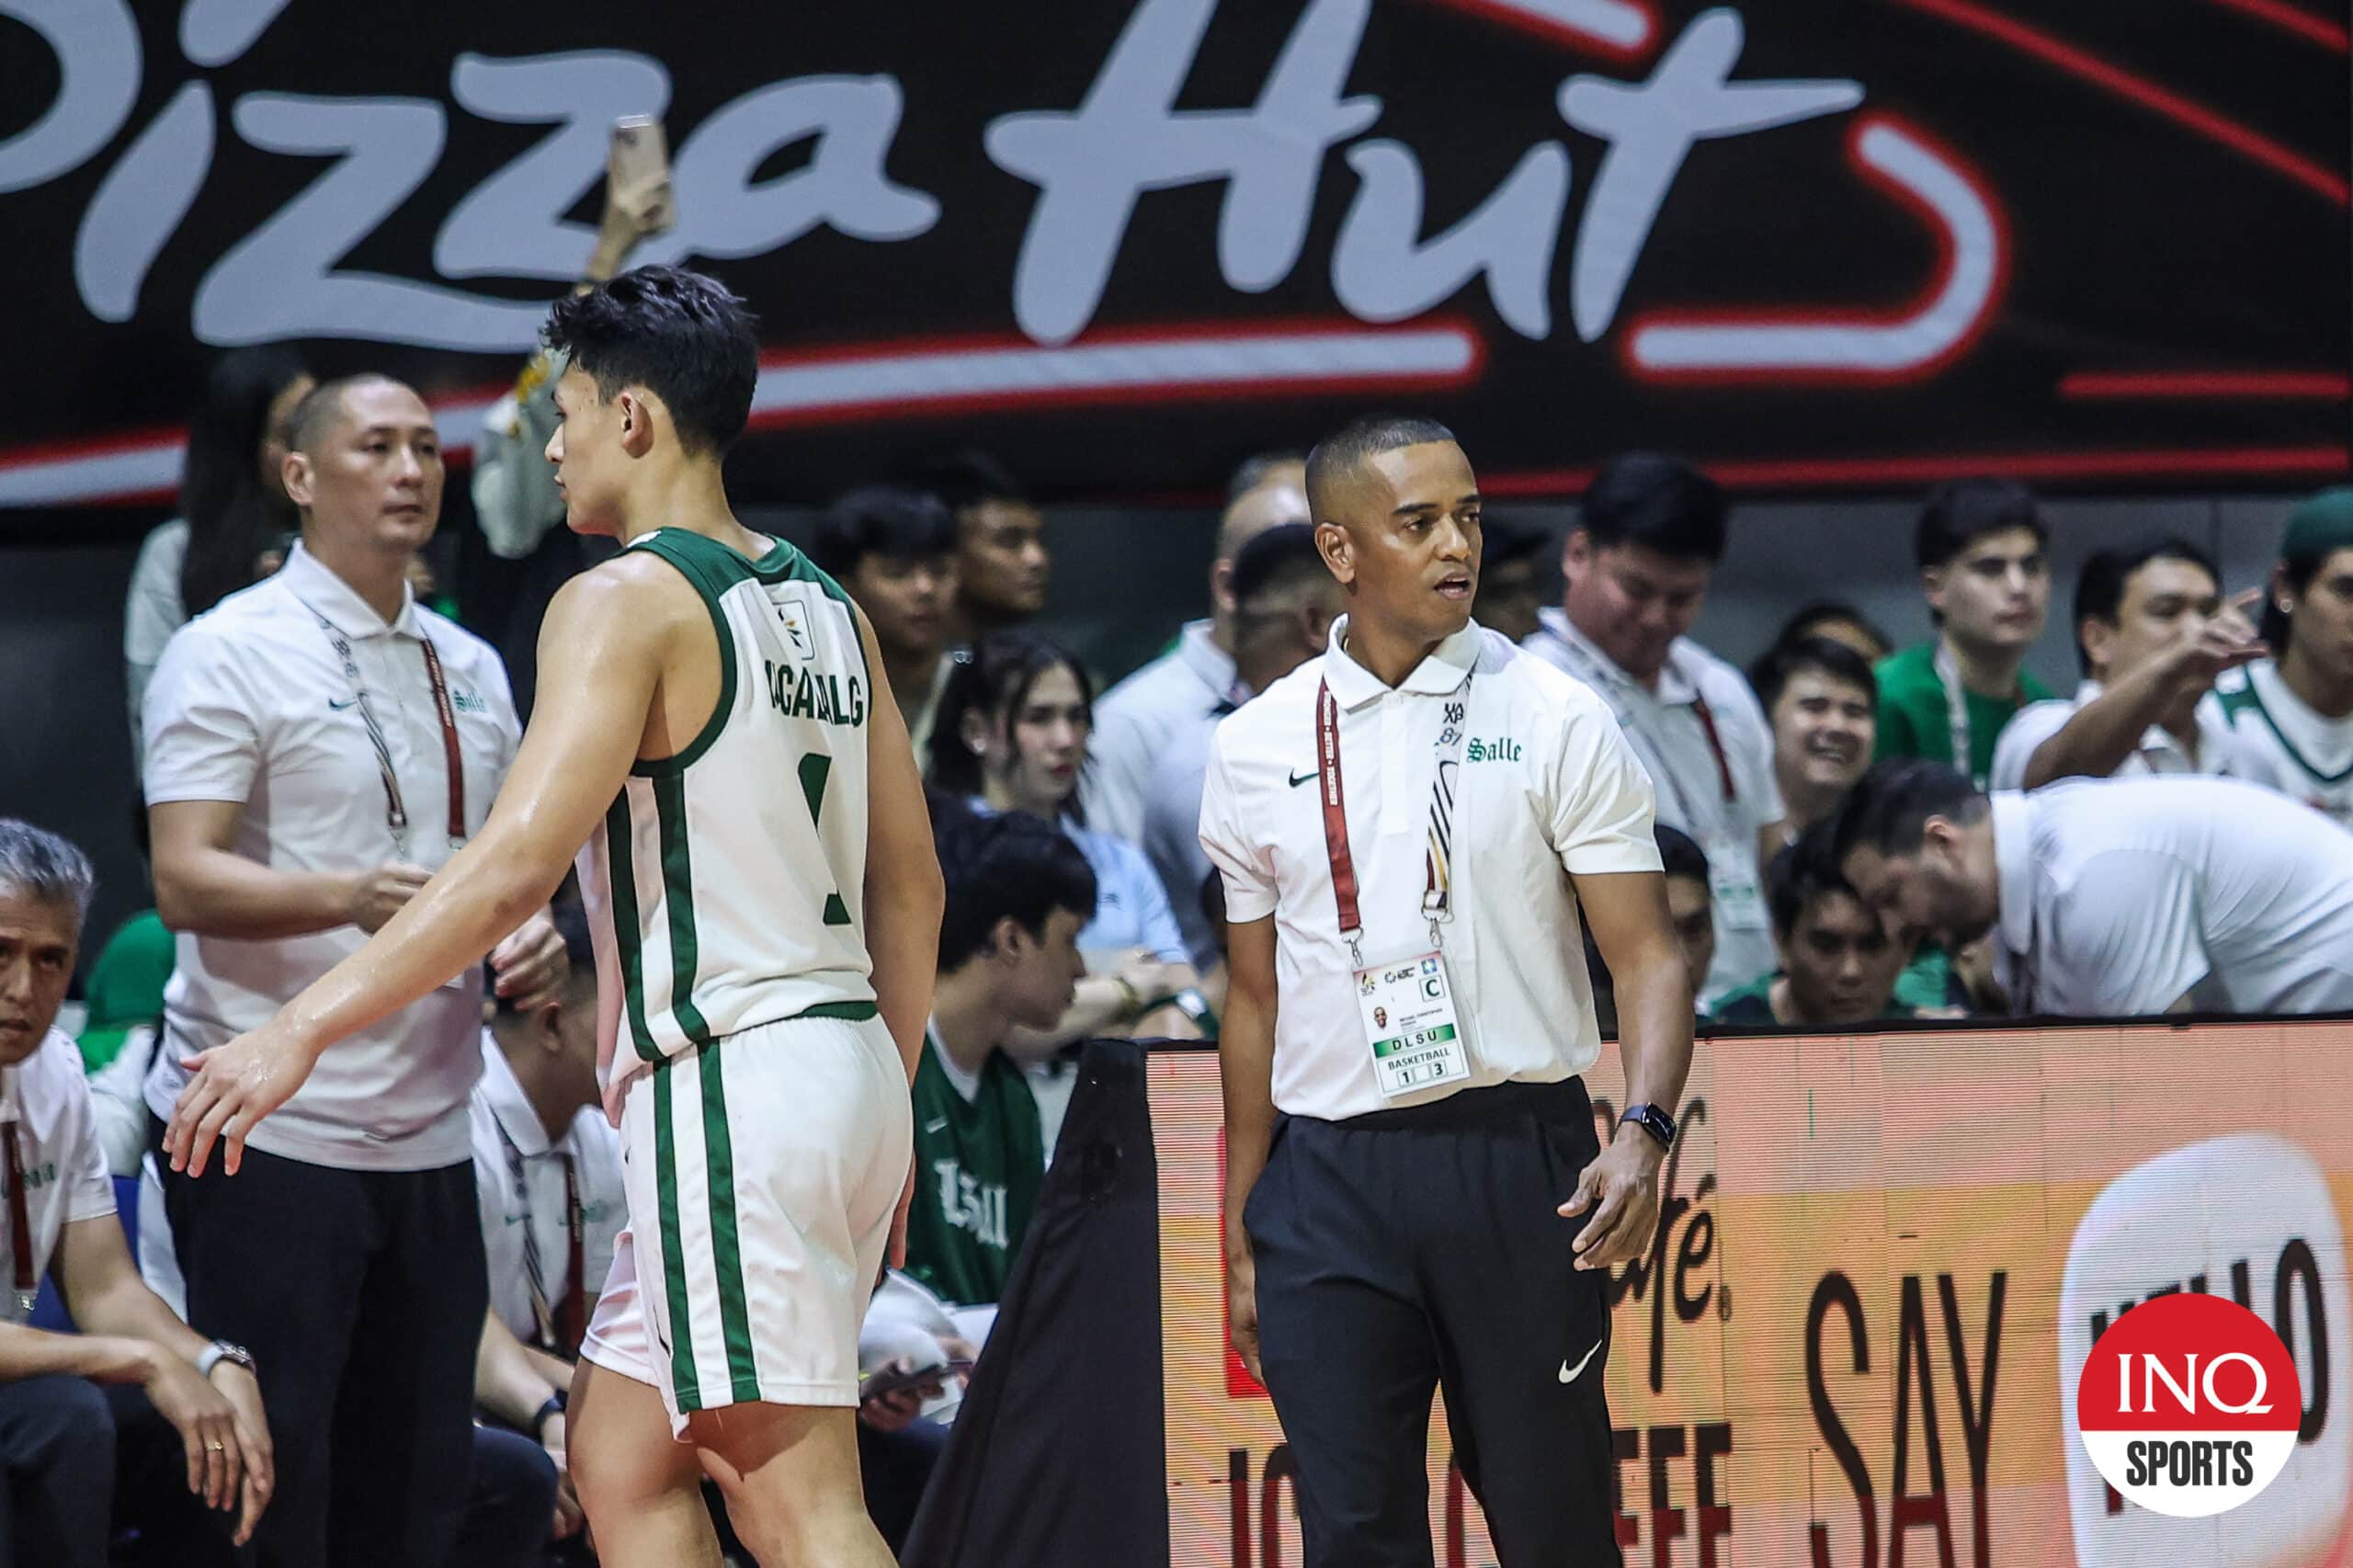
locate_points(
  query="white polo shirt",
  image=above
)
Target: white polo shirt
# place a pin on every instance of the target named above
(57, 1143)
(2121, 896)
(506, 1134)
(2221, 753)
(251, 704)
(1136, 720)
(1547, 783)
(1668, 734)
(2291, 746)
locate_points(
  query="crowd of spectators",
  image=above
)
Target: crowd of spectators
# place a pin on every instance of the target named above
(1851, 832)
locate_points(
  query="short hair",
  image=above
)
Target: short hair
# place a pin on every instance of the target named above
(1805, 620)
(1777, 665)
(993, 677)
(965, 477)
(1658, 502)
(1960, 513)
(1679, 853)
(1794, 881)
(681, 335)
(314, 418)
(2099, 587)
(889, 520)
(1251, 470)
(1890, 807)
(1505, 542)
(1282, 558)
(1341, 453)
(37, 864)
(1008, 866)
(570, 918)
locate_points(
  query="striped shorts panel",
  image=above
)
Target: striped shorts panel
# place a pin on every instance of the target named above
(761, 1170)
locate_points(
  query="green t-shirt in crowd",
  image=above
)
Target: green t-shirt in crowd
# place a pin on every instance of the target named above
(126, 986)
(1751, 1006)
(1914, 719)
(978, 1164)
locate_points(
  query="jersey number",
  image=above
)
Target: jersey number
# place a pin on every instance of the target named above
(815, 769)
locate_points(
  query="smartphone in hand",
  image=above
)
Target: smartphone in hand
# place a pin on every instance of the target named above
(637, 165)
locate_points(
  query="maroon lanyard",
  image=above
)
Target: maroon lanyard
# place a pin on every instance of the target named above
(571, 1318)
(1715, 745)
(455, 758)
(20, 1230)
(1438, 886)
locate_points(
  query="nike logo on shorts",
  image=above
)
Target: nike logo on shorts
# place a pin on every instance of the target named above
(1569, 1373)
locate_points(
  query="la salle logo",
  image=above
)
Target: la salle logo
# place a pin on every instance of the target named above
(1502, 748)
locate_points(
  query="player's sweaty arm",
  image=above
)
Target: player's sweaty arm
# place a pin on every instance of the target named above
(904, 894)
(602, 648)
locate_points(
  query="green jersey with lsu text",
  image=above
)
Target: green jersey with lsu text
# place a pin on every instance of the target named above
(978, 1164)
(728, 879)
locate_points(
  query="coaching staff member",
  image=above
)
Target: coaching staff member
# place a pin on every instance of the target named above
(1407, 827)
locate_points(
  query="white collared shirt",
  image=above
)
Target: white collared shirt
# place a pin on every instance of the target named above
(1546, 784)
(2219, 753)
(57, 1143)
(2119, 897)
(251, 705)
(1136, 720)
(1665, 729)
(507, 1130)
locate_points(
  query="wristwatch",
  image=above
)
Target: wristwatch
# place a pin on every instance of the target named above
(220, 1350)
(1652, 1120)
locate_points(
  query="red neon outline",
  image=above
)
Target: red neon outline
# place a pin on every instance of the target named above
(2192, 117)
(1503, 14)
(2327, 386)
(2294, 19)
(1948, 260)
(1843, 473)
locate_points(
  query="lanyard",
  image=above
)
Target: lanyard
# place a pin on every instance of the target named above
(1956, 713)
(1437, 885)
(1715, 745)
(20, 1230)
(561, 1328)
(453, 758)
(1602, 679)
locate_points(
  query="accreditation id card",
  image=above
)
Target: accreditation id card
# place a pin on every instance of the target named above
(1407, 1006)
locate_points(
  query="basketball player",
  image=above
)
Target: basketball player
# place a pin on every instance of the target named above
(714, 721)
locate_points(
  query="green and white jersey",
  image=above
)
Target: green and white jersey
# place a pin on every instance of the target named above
(2303, 754)
(726, 887)
(980, 1163)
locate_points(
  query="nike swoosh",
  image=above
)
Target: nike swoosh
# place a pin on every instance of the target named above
(1569, 1373)
(1298, 778)
(339, 707)
(934, 1126)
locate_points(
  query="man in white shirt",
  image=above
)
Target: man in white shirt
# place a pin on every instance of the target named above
(2152, 632)
(315, 747)
(2112, 898)
(135, 1419)
(1284, 604)
(1413, 828)
(2293, 712)
(1185, 691)
(1636, 567)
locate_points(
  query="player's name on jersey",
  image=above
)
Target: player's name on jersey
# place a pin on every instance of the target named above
(807, 694)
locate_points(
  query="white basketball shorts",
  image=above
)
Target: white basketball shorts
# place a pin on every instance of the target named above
(762, 1170)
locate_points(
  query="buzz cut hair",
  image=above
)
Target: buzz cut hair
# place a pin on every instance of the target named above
(1338, 456)
(313, 418)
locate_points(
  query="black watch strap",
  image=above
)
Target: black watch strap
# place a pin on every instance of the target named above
(1652, 1120)
(553, 1407)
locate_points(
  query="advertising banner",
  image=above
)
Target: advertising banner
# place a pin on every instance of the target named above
(1882, 1261)
(1126, 244)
